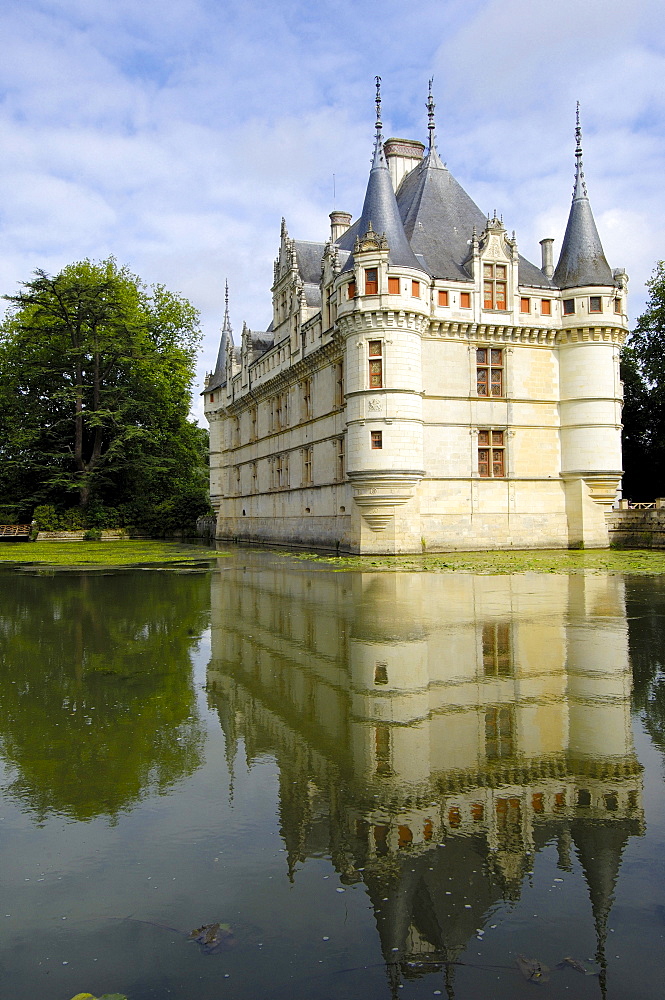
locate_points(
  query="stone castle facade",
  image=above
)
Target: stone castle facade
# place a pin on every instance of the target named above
(422, 385)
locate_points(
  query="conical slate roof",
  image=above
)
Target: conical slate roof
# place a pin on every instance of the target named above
(380, 208)
(582, 261)
(219, 374)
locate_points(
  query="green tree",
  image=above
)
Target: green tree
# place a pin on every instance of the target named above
(643, 375)
(96, 375)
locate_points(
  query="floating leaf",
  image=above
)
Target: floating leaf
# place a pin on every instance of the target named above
(574, 963)
(533, 970)
(212, 937)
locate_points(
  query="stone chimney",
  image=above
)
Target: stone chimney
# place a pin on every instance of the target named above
(339, 223)
(402, 156)
(548, 256)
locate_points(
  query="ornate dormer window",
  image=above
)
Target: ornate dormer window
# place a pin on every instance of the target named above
(495, 278)
(496, 254)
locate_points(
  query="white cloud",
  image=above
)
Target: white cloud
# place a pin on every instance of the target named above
(175, 136)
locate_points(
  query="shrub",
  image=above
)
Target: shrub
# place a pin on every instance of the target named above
(46, 517)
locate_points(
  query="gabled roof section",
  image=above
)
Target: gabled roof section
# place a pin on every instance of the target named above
(309, 256)
(582, 260)
(439, 218)
(380, 208)
(259, 343)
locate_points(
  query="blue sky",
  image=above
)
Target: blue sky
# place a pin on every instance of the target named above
(175, 136)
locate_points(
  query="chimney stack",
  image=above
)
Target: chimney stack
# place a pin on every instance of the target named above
(339, 223)
(548, 256)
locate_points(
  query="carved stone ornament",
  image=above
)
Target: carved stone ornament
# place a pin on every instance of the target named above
(378, 497)
(370, 241)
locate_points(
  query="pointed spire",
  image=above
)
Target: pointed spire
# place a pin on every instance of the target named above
(379, 155)
(380, 206)
(430, 115)
(227, 323)
(582, 260)
(579, 191)
(227, 335)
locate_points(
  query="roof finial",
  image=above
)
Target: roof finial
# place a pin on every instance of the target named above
(377, 101)
(430, 114)
(579, 191)
(226, 325)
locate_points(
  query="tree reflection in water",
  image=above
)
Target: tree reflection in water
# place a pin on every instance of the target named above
(99, 707)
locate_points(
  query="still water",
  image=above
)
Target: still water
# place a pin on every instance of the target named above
(378, 785)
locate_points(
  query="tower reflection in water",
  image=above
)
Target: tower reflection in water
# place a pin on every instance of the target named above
(409, 711)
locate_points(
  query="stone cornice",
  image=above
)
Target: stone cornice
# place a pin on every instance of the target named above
(592, 334)
(369, 321)
(491, 332)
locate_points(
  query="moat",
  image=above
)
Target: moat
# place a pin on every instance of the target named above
(354, 784)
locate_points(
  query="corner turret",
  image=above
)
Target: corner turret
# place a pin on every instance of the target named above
(582, 260)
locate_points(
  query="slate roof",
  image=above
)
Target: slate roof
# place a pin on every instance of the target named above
(218, 377)
(309, 257)
(312, 295)
(380, 208)
(437, 218)
(582, 260)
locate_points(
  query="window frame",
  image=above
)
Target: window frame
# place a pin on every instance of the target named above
(495, 280)
(392, 282)
(338, 371)
(306, 400)
(465, 300)
(568, 307)
(495, 448)
(371, 284)
(307, 464)
(415, 289)
(376, 440)
(375, 371)
(444, 298)
(595, 299)
(490, 372)
(341, 459)
(545, 307)
(525, 304)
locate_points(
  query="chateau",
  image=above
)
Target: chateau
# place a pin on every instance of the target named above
(422, 386)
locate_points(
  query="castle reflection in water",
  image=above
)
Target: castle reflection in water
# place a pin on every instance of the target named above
(489, 714)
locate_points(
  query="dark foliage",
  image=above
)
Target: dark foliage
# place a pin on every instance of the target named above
(96, 376)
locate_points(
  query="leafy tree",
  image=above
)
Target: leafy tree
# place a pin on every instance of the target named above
(96, 374)
(643, 375)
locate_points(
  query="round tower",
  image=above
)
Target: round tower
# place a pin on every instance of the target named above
(384, 304)
(593, 328)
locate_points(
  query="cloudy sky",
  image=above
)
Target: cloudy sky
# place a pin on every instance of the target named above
(176, 134)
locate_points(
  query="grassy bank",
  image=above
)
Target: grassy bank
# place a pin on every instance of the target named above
(121, 553)
(639, 561)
